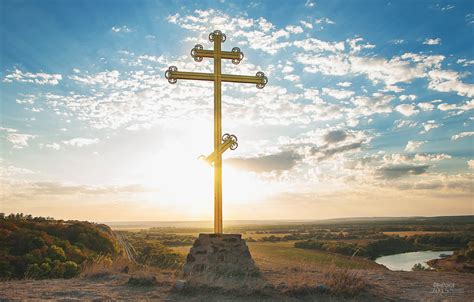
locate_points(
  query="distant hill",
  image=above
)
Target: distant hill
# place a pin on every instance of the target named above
(234, 223)
(38, 247)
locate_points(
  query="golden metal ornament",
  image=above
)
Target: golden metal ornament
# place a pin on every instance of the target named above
(226, 141)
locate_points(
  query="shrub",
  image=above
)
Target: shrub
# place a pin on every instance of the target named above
(344, 282)
(33, 271)
(71, 269)
(418, 267)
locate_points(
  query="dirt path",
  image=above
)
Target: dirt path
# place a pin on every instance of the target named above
(127, 247)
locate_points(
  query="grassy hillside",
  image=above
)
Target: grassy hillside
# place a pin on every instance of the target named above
(38, 248)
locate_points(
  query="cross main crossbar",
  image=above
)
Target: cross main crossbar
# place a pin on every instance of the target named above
(173, 74)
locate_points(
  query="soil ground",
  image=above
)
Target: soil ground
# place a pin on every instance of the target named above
(382, 285)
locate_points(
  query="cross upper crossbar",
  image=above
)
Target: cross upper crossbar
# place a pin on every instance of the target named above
(227, 141)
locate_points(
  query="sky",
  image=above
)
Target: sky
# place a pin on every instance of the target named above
(367, 111)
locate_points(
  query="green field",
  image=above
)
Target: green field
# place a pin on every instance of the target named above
(284, 253)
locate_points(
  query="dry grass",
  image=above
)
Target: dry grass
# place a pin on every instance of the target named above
(104, 266)
(344, 282)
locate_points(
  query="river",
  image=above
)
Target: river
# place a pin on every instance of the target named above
(405, 261)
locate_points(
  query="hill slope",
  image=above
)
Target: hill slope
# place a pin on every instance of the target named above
(38, 248)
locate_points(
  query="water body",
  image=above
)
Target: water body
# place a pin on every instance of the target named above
(405, 261)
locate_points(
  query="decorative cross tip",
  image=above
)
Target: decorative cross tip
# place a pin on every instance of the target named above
(194, 53)
(264, 80)
(230, 139)
(169, 76)
(240, 58)
(217, 34)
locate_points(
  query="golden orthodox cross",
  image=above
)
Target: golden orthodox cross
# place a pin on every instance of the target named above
(221, 143)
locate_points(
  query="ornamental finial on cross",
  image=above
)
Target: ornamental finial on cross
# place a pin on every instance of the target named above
(226, 141)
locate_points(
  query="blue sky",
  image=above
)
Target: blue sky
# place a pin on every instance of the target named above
(368, 109)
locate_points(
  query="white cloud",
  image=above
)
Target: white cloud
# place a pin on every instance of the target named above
(287, 69)
(397, 41)
(294, 29)
(435, 41)
(105, 78)
(465, 62)
(413, 145)
(306, 24)
(37, 78)
(344, 84)
(405, 97)
(356, 45)
(258, 33)
(292, 78)
(309, 3)
(461, 135)
(54, 146)
(429, 125)
(406, 109)
(425, 157)
(469, 105)
(470, 164)
(329, 65)
(81, 142)
(8, 130)
(324, 21)
(398, 69)
(449, 81)
(121, 29)
(426, 106)
(444, 8)
(405, 123)
(338, 94)
(365, 105)
(9, 171)
(316, 45)
(19, 140)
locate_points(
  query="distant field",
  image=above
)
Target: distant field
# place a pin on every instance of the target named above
(411, 233)
(259, 236)
(284, 253)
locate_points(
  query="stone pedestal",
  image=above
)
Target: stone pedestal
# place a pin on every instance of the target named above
(219, 256)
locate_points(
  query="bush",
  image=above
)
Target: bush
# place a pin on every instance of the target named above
(344, 282)
(309, 244)
(71, 269)
(418, 267)
(33, 271)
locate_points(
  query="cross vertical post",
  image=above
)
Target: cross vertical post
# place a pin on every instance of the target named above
(217, 136)
(226, 141)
